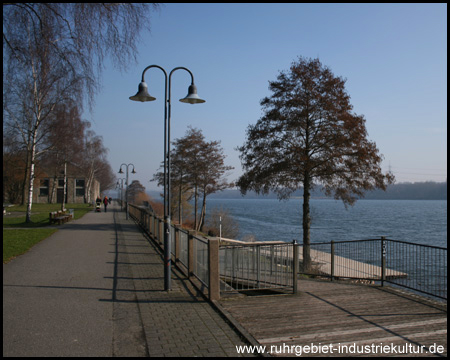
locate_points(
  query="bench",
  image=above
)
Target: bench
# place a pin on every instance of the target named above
(59, 217)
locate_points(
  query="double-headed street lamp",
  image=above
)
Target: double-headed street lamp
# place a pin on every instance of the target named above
(126, 183)
(191, 98)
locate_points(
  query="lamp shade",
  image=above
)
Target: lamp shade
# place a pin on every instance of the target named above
(192, 97)
(142, 94)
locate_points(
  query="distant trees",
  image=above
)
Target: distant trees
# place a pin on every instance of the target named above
(428, 190)
(95, 163)
(222, 223)
(52, 55)
(309, 134)
(135, 189)
(197, 169)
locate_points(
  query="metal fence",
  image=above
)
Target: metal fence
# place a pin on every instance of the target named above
(421, 268)
(250, 266)
(240, 267)
(200, 268)
(194, 257)
(257, 266)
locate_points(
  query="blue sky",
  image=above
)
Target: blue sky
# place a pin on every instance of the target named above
(394, 57)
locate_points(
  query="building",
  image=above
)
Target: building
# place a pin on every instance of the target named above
(50, 190)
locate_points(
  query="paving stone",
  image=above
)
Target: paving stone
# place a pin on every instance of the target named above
(176, 323)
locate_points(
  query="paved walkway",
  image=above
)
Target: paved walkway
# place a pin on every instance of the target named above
(96, 288)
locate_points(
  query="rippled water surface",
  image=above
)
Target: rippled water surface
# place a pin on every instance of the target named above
(418, 221)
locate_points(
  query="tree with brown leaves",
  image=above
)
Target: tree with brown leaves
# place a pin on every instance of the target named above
(309, 135)
(197, 168)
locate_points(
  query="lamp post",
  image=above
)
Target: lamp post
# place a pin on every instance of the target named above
(126, 183)
(120, 186)
(191, 98)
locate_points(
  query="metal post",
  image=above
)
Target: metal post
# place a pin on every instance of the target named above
(191, 98)
(383, 260)
(126, 196)
(332, 260)
(191, 254)
(258, 266)
(126, 191)
(295, 267)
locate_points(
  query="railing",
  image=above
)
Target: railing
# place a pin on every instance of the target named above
(244, 266)
(257, 266)
(421, 268)
(247, 266)
(197, 257)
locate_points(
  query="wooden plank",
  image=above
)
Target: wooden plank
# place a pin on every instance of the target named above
(334, 312)
(320, 335)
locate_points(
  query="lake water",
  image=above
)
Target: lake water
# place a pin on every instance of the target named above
(417, 221)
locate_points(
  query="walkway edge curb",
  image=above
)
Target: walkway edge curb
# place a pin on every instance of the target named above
(238, 327)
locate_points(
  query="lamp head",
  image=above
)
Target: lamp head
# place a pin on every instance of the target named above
(142, 94)
(133, 172)
(120, 171)
(192, 97)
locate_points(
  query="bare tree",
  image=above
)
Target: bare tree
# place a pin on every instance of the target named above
(65, 138)
(79, 36)
(95, 165)
(198, 168)
(309, 133)
(212, 174)
(53, 54)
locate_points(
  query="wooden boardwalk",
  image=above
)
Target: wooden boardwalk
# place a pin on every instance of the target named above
(344, 315)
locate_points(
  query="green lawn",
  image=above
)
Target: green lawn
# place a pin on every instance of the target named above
(17, 240)
(39, 214)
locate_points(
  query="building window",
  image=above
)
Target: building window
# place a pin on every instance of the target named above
(79, 187)
(43, 187)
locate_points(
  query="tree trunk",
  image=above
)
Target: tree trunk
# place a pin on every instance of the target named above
(202, 214)
(306, 225)
(88, 186)
(26, 180)
(31, 182)
(53, 190)
(65, 186)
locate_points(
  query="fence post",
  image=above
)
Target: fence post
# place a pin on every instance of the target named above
(213, 269)
(332, 260)
(383, 260)
(177, 244)
(190, 253)
(161, 232)
(295, 267)
(258, 266)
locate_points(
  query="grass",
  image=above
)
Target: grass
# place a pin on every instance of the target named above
(39, 214)
(19, 236)
(18, 241)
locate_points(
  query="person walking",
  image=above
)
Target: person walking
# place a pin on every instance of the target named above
(105, 202)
